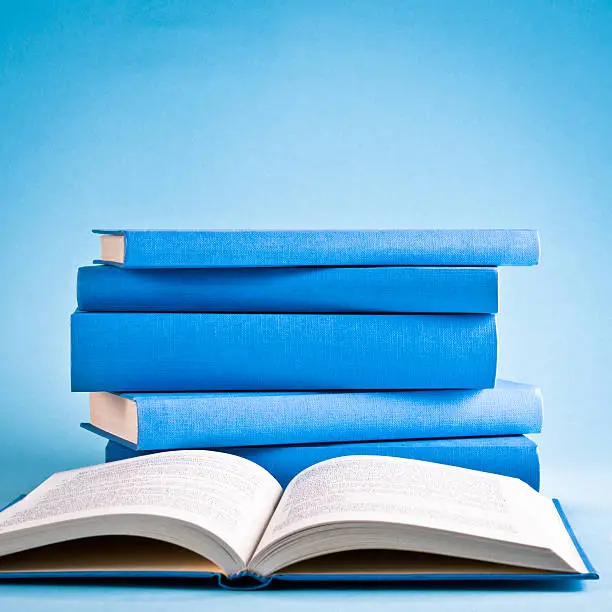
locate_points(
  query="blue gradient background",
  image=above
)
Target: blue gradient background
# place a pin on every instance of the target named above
(311, 115)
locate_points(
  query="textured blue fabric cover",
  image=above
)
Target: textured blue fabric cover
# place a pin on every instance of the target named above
(168, 421)
(515, 456)
(238, 248)
(319, 290)
(206, 352)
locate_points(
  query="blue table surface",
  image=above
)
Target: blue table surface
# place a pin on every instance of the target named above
(584, 493)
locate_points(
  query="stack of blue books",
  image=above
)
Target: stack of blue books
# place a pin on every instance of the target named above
(292, 347)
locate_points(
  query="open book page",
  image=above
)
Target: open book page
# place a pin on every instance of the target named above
(416, 493)
(226, 495)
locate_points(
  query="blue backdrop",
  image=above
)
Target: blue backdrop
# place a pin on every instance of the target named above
(311, 115)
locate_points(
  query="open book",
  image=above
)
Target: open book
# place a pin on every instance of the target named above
(204, 512)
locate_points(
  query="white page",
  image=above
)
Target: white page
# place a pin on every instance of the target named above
(227, 495)
(401, 491)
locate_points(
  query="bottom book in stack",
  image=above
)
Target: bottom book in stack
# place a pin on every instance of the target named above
(515, 456)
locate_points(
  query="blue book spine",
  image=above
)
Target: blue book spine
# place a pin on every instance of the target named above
(515, 456)
(206, 420)
(125, 352)
(217, 249)
(383, 289)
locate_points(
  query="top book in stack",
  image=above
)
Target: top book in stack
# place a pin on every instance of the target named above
(290, 248)
(293, 310)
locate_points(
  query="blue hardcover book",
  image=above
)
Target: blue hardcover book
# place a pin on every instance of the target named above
(319, 290)
(204, 514)
(125, 352)
(254, 248)
(515, 456)
(166, 421)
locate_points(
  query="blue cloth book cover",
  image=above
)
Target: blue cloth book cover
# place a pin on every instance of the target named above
(253, 248)
(126, 352)
(515, 456)
(166, 421)
(399, 289)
